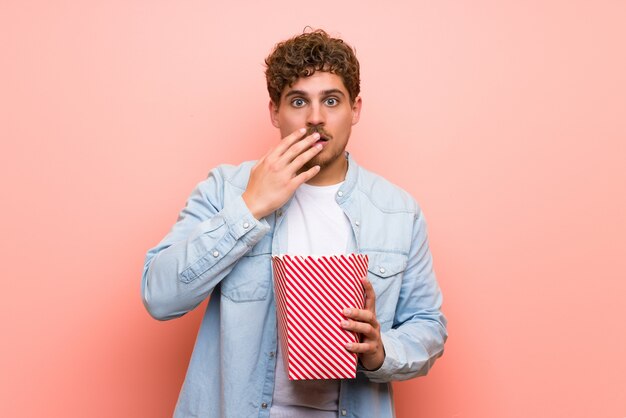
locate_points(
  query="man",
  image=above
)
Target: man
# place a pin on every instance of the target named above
(305, 196)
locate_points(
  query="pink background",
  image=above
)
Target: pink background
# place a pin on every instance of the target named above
(506, 120)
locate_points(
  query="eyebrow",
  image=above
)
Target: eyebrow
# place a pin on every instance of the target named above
(305, 94)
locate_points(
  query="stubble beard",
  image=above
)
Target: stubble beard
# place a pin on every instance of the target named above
(324, 161)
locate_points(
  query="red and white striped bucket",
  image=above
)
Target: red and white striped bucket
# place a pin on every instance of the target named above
(311, 293)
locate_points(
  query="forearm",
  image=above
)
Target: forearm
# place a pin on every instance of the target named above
(197, 254)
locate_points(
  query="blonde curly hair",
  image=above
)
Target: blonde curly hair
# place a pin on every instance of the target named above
(303, 55)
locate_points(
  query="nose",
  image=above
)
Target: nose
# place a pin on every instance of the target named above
(316, 115)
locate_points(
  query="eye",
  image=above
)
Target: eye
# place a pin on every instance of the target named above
(298, 102)
(332, 101)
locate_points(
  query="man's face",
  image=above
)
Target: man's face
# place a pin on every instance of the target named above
(320, 103)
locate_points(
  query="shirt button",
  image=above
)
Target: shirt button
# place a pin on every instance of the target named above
(344, 412)
(246, 225)
(216, 253)
(272, 354)
(381, 270)
(357, 223)
(264, 405)
(279, 213)
(339, 193)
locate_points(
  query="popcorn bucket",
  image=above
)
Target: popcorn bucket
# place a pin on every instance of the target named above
(311, 293)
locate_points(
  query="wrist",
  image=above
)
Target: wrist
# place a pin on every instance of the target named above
(374, 362)
(254, 209)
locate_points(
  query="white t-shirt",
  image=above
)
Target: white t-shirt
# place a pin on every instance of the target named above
(316, 225)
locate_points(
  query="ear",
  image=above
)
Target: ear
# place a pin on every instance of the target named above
(356, 110)
(273, 108)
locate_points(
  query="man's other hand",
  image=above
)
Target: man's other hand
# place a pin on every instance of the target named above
(363, 321)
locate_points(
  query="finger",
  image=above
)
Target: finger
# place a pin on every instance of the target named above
(370, 295)
(299, 147)
(361, 315)
(288, 141)
(305, 157)
(362, 328)
(305, 176)
(361, 348)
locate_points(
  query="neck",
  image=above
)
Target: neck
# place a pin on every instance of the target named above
(331, 174)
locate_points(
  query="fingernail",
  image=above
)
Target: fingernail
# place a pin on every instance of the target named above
(302, 130)
(316, 135)
(349, 346)
(347, 311)
(344, 323)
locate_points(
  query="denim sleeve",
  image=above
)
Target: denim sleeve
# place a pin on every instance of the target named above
(199, 251)
(418, 334)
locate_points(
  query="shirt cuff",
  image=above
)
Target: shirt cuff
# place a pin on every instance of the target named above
(242, 224)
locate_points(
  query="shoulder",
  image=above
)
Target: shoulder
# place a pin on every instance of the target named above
(234, 175)
(383, 194)
(225, 175)
(223, 180)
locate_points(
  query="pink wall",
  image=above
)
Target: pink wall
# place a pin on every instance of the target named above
(506, 120)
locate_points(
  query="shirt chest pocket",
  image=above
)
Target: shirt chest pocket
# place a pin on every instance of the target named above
(251, 278)
(385, 272)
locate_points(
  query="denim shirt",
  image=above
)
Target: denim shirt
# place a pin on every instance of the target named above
(218, 249)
